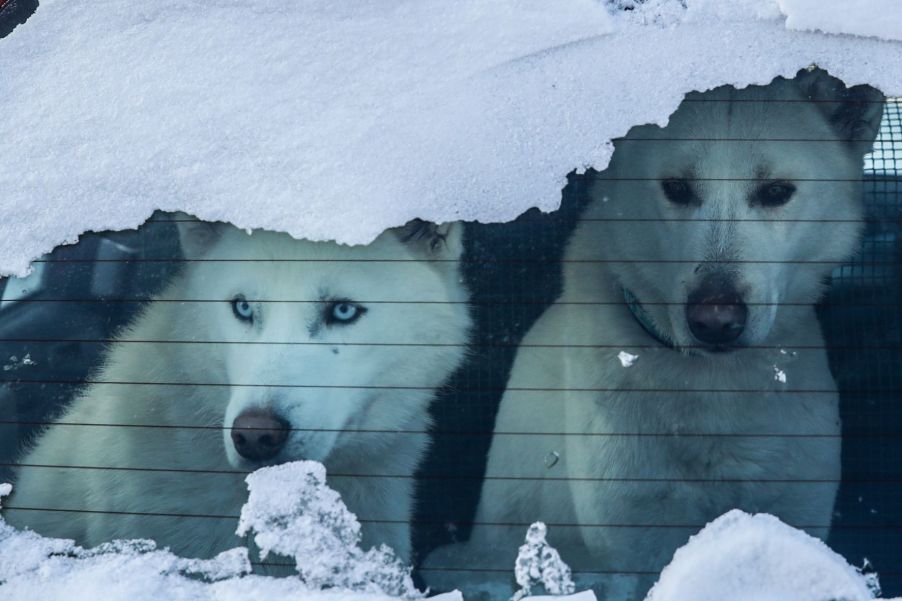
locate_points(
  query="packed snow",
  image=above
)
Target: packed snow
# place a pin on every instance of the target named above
(877, 18)
(745, 557)
(540, 564)
(295, 514)
(336, 120)
(290, 511)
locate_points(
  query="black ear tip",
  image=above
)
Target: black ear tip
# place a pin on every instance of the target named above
(419, 229)
(196, 237)
(429, 238)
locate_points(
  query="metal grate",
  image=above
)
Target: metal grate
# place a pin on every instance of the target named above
(862, 324)
(886, 159)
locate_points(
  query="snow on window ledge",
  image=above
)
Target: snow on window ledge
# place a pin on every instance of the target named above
(746, 557)
(284, 501)
(738, 556)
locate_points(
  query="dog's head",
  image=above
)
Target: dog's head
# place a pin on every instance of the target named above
(324, 348)
(725, 223)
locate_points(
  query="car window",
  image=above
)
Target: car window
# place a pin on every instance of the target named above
(19, 288)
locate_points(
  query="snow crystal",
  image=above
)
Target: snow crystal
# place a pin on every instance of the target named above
(376, 113)
(626, 359)
(538, 563)
(15, 363)
(745, 557)
(779, 375)
(293, 513)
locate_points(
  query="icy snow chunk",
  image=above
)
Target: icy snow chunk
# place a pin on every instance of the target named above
(293, 513)
(538, 563)
(34, 567)
(745, 557)
(626, 359)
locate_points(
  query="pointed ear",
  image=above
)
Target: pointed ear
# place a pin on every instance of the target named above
(196, 237)
(854, 112)
(430, 241)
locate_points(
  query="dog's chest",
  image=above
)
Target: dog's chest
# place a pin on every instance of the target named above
(676, 420)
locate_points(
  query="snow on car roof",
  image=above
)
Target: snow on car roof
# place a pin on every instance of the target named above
(337, 120)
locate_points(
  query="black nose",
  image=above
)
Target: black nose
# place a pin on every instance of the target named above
(716, 313)
(259, 434)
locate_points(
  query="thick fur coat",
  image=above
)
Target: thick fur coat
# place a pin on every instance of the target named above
(647, 449)
(147, 447)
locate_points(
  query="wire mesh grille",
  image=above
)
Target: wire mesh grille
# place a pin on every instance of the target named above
(861, 320)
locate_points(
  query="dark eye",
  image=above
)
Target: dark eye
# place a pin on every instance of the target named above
(242, 309)
(774, 194)
(343, 312)
(677, 191)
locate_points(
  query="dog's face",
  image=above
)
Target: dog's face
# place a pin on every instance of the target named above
(725, 223)
(328, 346)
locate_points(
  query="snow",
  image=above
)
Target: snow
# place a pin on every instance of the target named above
(296, 515)
(290, 510)
(877, 18)
(627, 359)
(745, 557)
(779, 375)
(538, 563)
(15, 363)
(336, 120)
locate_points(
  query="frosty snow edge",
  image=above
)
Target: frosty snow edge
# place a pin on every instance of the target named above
(292, 512)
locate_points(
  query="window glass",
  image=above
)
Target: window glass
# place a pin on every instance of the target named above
(17, 288)
(711, 323)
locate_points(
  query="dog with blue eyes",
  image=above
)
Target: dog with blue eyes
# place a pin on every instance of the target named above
(264, 349)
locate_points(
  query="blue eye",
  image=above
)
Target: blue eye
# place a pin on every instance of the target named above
(344, 312)
(242, 309)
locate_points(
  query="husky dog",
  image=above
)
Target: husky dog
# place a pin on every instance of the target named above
(264, 349)
(682, 372)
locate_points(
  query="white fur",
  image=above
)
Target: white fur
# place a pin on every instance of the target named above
(347, 386)
(587, 393)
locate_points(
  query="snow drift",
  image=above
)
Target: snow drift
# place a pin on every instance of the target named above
(745, 557)
(290, 511)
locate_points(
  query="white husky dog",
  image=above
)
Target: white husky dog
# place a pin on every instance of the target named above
(682, 372)
(300, 350)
